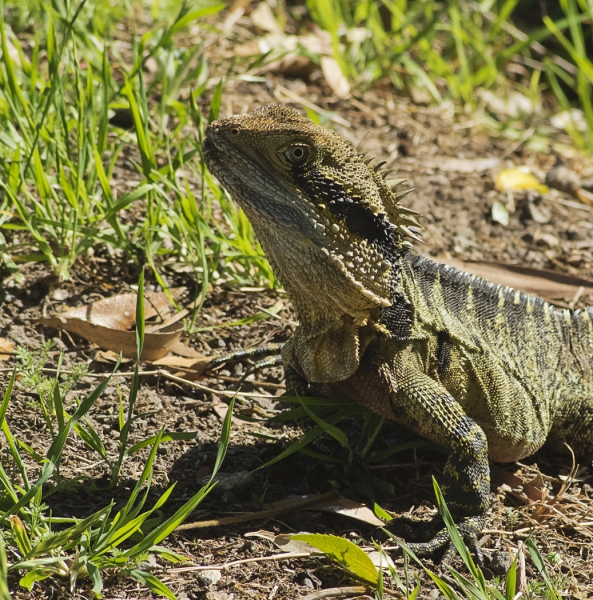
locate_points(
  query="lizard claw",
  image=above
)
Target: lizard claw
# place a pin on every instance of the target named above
(468, 529)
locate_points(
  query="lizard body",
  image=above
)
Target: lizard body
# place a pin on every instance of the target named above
(486, 371)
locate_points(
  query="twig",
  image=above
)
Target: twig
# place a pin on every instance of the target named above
(569, 203)
(518, 532)
(339, 591)
(229, 394)
(285, 506)
(574, 469)
(264, 384)
(166, 375)
(289, 321)
(234, 563)
(577, 297)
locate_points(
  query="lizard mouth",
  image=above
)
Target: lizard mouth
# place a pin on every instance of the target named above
(211, 150)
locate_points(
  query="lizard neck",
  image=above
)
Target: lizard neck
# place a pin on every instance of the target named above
(336, 314)
(319, 285)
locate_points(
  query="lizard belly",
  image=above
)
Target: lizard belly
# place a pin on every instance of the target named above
(515, 418)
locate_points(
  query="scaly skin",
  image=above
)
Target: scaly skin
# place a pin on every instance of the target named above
(483, 370)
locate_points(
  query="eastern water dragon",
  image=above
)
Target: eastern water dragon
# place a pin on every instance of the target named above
(488, 372)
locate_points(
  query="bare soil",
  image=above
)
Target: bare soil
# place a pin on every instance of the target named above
(456, 205)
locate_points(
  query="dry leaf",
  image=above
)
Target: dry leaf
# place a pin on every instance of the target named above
(292, 65)
(584, 196)
(156, 344)
(119, 312)
(263, 18)
(523, 492)
(501, 477)
(539, 282)
(282, 541)
(536, 489)
(500, 213)
(221, 409)
(381, 560)
(352, 509)
(518, 179)
(107, 323)
(6, 348)
(271, 511)
(334, 77)
(183, 363)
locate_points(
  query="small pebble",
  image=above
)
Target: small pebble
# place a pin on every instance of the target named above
(548, 240)
(562, 178)
(216, 596)
(501, 562)
(209, 578)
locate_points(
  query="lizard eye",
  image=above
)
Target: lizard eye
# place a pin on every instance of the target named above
(297, 155)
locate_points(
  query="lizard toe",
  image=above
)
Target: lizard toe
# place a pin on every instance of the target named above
(468, 529)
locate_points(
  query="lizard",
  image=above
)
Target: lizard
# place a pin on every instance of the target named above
(488, 372)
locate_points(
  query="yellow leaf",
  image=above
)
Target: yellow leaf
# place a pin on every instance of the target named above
(517, 179)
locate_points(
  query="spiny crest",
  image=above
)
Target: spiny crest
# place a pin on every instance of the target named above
(408, 224)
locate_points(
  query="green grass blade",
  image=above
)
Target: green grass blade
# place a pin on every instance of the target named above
(456, 538)
(215, 103)
(540, 565)
(225, 435)
(4, 591)
(154, 584)
(140, 325)
(68, 537)
(55, 450)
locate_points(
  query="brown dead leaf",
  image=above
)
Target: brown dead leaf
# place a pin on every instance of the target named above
(500, 477)
(156, 344)
(6, 348)
(221, 409)
(536, 489)
(584, 196)
(107, 323)
(119, 312)
(184, 350)
(282, 541)
(263, 18)
(271, 511)
(287, 54)
(292, 65)
(549, 285)
(352, 509)
(524, 492)
(183, 363)
(542, 513)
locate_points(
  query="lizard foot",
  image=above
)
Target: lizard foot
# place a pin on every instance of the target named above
(468, 528)
(264, 356)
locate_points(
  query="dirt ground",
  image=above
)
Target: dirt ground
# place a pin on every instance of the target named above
(455, 197)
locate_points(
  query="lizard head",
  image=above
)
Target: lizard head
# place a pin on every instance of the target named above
(328, 221)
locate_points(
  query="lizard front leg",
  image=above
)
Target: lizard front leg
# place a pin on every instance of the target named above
(425, 406)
